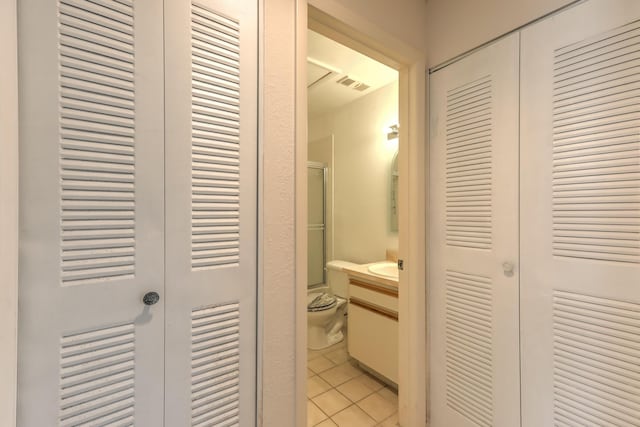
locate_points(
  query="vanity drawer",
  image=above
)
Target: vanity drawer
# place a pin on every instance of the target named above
(374, 294)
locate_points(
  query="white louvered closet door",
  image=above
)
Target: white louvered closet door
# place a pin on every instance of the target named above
(211, 182)
(473, 232)
(138, 173)
(91, 213)
(580, 198)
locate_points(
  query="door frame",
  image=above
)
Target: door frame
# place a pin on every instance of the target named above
(333, 21)
(8, 211)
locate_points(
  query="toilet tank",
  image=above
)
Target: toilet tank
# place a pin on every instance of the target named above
(337, 279)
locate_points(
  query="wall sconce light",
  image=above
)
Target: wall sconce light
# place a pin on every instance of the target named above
(393, 132)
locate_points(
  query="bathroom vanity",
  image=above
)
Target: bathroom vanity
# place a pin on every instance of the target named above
(373, 317)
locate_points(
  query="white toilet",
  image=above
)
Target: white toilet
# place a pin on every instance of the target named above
(326, 308)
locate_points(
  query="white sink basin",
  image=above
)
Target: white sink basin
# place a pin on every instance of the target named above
(385, 269)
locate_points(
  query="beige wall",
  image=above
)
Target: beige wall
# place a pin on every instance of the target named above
(362, 160)
(375, 25)
(456, 26)
(8, 211)
(277, 251)
(402, 19)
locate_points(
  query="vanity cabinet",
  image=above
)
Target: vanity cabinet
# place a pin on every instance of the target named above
(373, 326)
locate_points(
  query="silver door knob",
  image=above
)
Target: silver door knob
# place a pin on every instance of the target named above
(150, 298)
(508, 267)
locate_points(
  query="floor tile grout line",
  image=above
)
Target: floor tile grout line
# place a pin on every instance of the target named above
(324, 413)
(341, 349)
(352, 402)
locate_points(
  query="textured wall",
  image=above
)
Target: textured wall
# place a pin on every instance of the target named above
(278, 255)
(402, 19)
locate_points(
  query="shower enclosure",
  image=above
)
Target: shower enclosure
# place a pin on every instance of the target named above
(317, 226)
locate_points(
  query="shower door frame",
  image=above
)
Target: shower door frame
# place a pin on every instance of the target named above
(320, 165)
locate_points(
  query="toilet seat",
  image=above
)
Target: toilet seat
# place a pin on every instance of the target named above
(322, 302)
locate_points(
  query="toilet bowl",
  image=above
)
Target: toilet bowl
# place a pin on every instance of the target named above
(324, 323)
(326, 308)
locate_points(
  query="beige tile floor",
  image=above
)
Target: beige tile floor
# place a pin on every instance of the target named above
(341, 394)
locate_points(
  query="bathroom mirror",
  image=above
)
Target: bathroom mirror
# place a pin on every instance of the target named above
(393, 199)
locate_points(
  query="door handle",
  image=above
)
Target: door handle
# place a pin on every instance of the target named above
(150, 298)
(508, 268)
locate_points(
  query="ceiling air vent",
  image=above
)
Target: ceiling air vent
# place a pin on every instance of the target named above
(353, 84)
(346, 81)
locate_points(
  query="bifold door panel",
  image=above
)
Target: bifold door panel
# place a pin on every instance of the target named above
(123, 195)
(578, 169)
(91, 217)
(211, 181)
(473, 239)
(580, 194)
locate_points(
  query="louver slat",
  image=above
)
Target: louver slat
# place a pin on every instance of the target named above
(97, 377)
(97, 135)
(215, 119)
(469, 165)
(469, 366)
(215, 366)
(596, 148)
(596, 354)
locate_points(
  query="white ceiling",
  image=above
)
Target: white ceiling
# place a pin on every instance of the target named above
(328, 63)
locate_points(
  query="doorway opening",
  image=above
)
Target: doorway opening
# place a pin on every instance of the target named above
(352, 305)
(410, 196)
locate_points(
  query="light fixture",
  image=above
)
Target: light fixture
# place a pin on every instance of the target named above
(393, 132)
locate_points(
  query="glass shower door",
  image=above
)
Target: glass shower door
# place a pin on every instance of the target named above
(316, 181)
